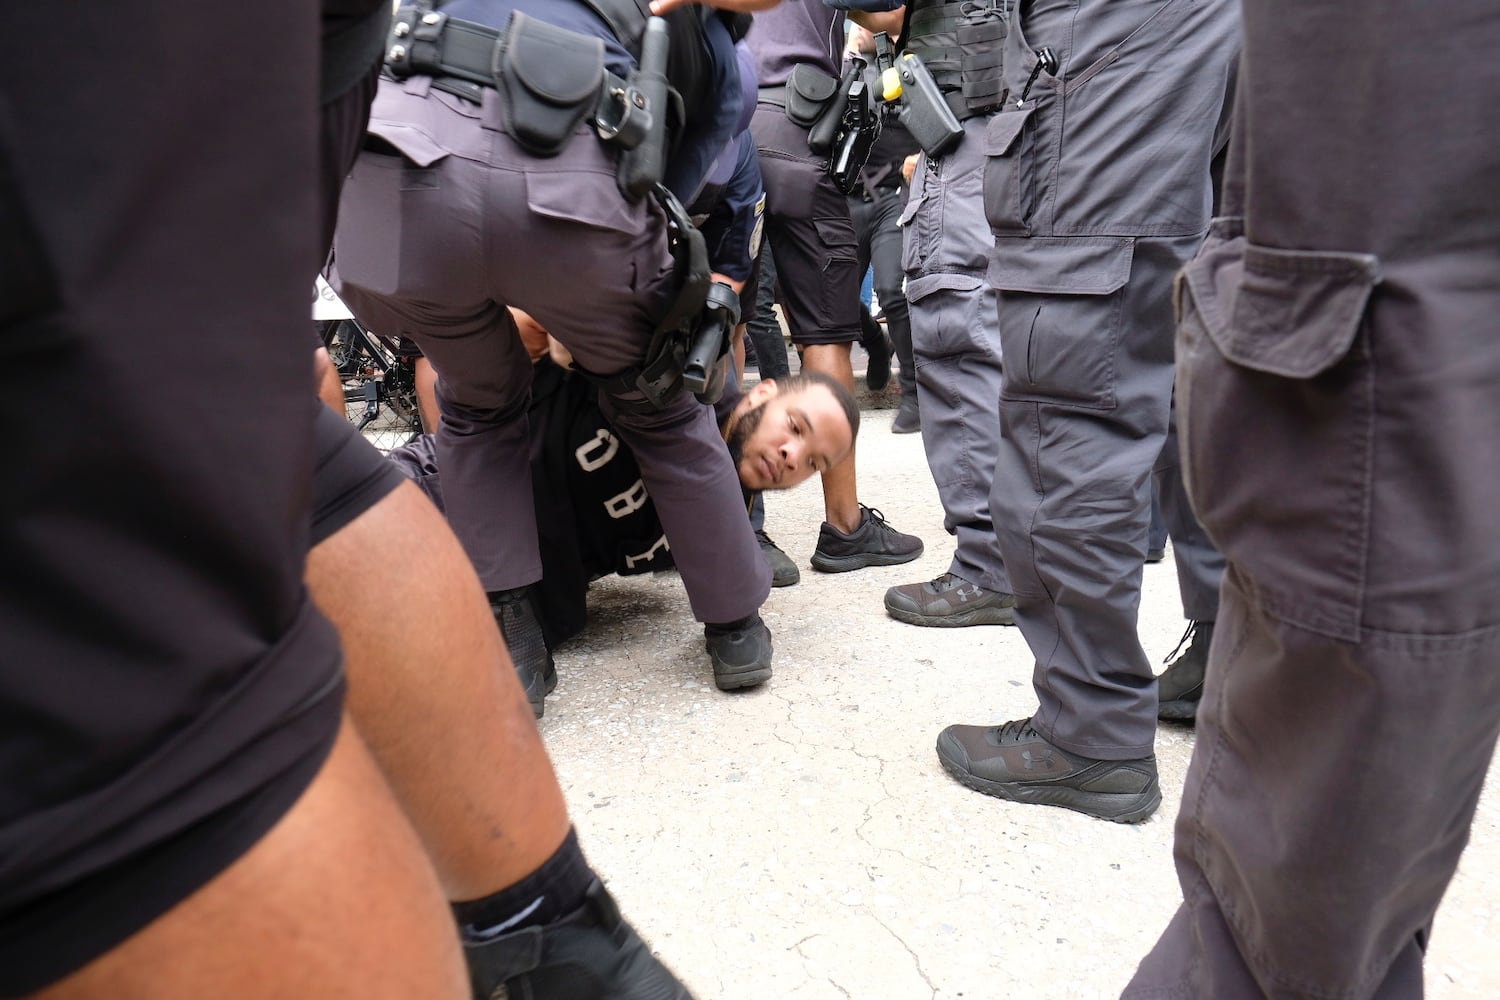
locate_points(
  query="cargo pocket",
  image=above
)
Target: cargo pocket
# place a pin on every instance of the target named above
(1061, 306)
(840, 271)
(1276, 415)
(1007, 162)
(913, 250)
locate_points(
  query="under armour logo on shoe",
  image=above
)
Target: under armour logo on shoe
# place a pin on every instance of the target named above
(1037, 760)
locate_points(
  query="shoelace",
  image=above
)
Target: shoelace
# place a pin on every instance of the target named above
(1186, 641)
(878, 519)
(1014, 730)
(765, 539)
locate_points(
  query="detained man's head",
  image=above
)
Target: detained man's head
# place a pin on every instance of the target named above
(785, 430)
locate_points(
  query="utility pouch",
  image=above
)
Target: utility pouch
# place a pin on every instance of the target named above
(550, 79)
(813, 102)
(981, 39)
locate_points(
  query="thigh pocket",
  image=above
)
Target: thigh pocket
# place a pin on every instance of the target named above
(1276, 409)
(1061, 304)
(1006, 171)
(840, 272)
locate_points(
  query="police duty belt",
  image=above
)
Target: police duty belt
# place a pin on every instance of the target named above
(557, 70)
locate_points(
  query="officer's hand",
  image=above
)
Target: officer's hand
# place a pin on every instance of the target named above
(738, 6)
(909, 167)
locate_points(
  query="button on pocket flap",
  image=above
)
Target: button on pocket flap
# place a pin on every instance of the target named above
(561, 196)
(1293, 313)
(1003, 128)
(416, 146)
(1069, 265)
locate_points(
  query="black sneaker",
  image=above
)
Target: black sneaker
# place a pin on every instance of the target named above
(1014, 762)
(516, 615)
(873, 543)
(908, 417)
(1156, 555)
(784, 572)
(1179, 688)
(740, 652)
(591, 952)
(949, 602)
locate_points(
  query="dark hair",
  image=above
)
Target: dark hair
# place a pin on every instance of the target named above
(805, 379)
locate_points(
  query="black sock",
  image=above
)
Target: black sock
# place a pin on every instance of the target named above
(553, 890)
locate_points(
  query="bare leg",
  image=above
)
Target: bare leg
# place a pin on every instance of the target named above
(427, 406)
(336, 901)
(840, 489)
(330, 386)
(433, 690)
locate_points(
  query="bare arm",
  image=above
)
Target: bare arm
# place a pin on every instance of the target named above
(888, 21)
(739, 6)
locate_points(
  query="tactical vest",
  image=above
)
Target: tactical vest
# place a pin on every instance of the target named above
(962, 43)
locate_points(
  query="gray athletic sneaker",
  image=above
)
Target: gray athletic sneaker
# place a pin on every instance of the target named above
(784, 572)
(873, 543)
(1014, 762)
(949, 602)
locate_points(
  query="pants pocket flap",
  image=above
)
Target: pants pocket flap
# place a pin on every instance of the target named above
(1001, 132)
(1069, 265)
(561, 196)
(1292, 313)
(415, 145)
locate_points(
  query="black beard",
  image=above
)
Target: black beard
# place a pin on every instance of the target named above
(741, 432)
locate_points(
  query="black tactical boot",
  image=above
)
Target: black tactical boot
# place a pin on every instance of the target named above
(592, 952)
(1180, 687)
(519, 624)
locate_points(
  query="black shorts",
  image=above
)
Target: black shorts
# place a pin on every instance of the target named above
(167, 690)
(811, 235)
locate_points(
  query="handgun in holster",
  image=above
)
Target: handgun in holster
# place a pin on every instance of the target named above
(707, 366)
(858, 128)
(920, 106)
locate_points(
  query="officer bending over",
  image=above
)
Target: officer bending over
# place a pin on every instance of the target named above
(475, 194)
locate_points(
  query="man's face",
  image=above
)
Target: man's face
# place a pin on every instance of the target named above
(781, 438)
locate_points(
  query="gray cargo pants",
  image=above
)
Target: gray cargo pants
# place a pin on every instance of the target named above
(1091, 223)
(955, 342)
(1338, 367)
(437, 242)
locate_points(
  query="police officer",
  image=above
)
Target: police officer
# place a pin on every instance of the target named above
(955, 331)
(475, 194)
(1091, 223)
(1339, 327)
(875, 208)
(812, 238)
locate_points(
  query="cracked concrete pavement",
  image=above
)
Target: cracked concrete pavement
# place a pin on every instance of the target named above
(801, 839)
